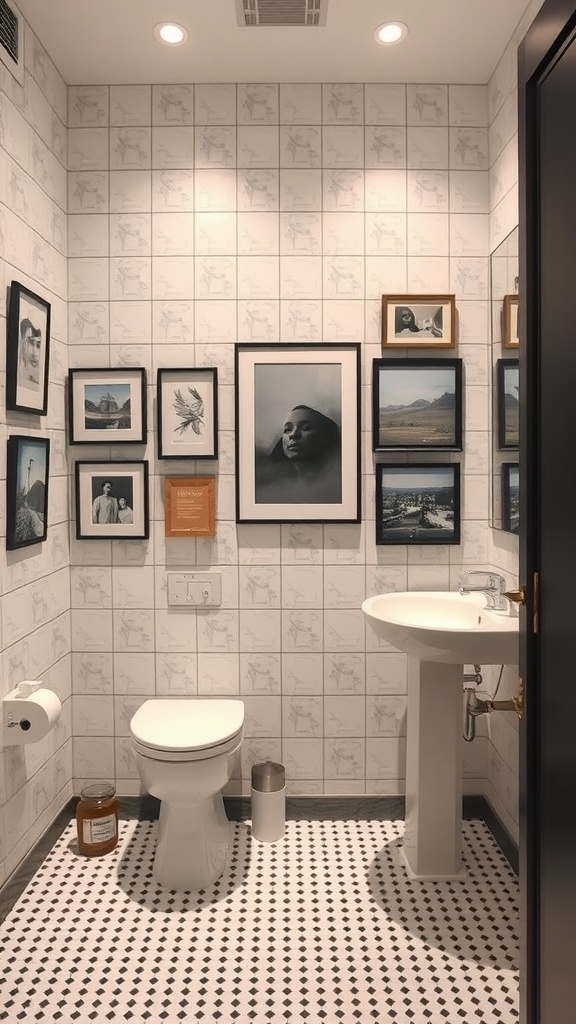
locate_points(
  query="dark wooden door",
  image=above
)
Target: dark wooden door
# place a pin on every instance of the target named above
(547, 107)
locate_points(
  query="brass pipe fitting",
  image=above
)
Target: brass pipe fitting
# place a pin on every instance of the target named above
(516, 703)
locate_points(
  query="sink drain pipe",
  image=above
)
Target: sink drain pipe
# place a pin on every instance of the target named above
(474, 705)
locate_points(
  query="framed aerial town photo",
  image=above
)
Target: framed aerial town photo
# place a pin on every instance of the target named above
(418, 504)
(297, 433)
(510, 322)
(418, 321)
(107, 406)
(27, 468)
(187, 408)
(508, 387)
(511, 497)
(112, 500)
(416, 404)
(27, 351)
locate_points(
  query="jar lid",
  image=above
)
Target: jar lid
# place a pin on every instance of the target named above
(98, 791)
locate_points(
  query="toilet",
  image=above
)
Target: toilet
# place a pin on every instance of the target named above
(184, 751)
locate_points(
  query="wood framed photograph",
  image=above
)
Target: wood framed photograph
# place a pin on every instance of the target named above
(27, 468)
(510, 322)
(112, 500)
(190, 506)
(418, 504)
(511, 497)
(416, 404)
(508, 386)
(297, 433)
(27, 351)
(418, 321)
(187, 408)
(107, 406)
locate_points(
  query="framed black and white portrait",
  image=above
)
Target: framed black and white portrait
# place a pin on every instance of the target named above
(112, 500)
(27, 468)
(107, 406)
(417, 404)
(187, 408)
(27, 350)
(418, 504)
(508, 389)
(297, 433)
(418, 321)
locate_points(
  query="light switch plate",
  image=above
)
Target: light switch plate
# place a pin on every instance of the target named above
(194, 589)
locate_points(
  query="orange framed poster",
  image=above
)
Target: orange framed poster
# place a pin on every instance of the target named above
(190, 506)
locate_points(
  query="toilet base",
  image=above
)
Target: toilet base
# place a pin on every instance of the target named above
(192, 844)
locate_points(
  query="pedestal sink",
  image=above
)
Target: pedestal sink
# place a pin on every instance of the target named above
(440, 632)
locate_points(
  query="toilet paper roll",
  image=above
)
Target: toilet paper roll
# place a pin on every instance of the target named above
(29, 719)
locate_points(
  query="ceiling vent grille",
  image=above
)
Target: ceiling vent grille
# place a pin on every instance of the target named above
(11, 40)
(279, 13)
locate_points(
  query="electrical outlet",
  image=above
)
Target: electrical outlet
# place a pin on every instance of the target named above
(194, 589)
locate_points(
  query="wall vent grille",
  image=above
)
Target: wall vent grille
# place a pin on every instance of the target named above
(9, 30)
(279, 13)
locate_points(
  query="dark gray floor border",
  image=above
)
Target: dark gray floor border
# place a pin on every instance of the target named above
(369, 808)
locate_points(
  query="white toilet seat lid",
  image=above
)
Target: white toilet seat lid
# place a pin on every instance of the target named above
(187, 724)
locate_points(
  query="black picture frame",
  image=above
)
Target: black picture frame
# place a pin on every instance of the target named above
(187, 412)
(314, 474)
(101, 520)
(508, 382)
(107, 405)
(407, 509)
(27, 478)
(511, 497)
(416, 405)
(27, 350)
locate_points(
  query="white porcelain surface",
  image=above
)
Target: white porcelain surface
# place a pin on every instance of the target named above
(171, 725)
(445, 626)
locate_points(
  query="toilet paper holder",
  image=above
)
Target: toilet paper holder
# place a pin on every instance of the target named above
(26, 714)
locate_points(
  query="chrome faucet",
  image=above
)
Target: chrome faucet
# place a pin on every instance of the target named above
(492, 584)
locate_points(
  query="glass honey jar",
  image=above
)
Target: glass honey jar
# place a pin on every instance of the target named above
(97, 819)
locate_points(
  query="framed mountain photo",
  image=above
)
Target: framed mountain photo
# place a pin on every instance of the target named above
(416, 404)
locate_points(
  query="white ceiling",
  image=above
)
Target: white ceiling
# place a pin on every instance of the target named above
(111, 41)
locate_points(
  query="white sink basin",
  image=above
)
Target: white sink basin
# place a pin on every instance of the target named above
(445, 626)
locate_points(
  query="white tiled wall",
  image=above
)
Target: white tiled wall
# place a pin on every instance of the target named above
(35, 780)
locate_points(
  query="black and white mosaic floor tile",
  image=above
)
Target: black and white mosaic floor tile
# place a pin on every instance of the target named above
(323, 926)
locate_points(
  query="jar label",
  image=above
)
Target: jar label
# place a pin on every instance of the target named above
(99, 830)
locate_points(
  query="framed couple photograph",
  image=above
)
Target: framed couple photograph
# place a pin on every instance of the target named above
(27, 350)
(511, 497)
(508, 411)
(510, 322)
(112, 500)
(297, 432)
(187, 407)
(107, 406)
(418, 321)
(416, 404)
(28, 460)
(418, 504)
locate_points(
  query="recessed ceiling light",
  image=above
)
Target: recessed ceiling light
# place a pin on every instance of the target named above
(391, 32)
(170, 33)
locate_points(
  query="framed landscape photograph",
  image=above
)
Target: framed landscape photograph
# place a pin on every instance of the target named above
(416, 404)
(508, 386)
(418, 321)
(511, 497)
(187, 407)
(28, 460)
(418, 504)
(297, 433)
(112, 500)
(107, 406)
(510, 322)
(27, 350)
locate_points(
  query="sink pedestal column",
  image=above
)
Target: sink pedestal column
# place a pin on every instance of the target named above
(432, 838)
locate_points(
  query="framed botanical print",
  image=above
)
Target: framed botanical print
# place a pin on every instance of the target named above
(107, 405)
(27, 350)
(418, 504)
(418, 321)
(416, 404)
(27, 469)
(112, 500)
(297, 433)
(187, 407)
